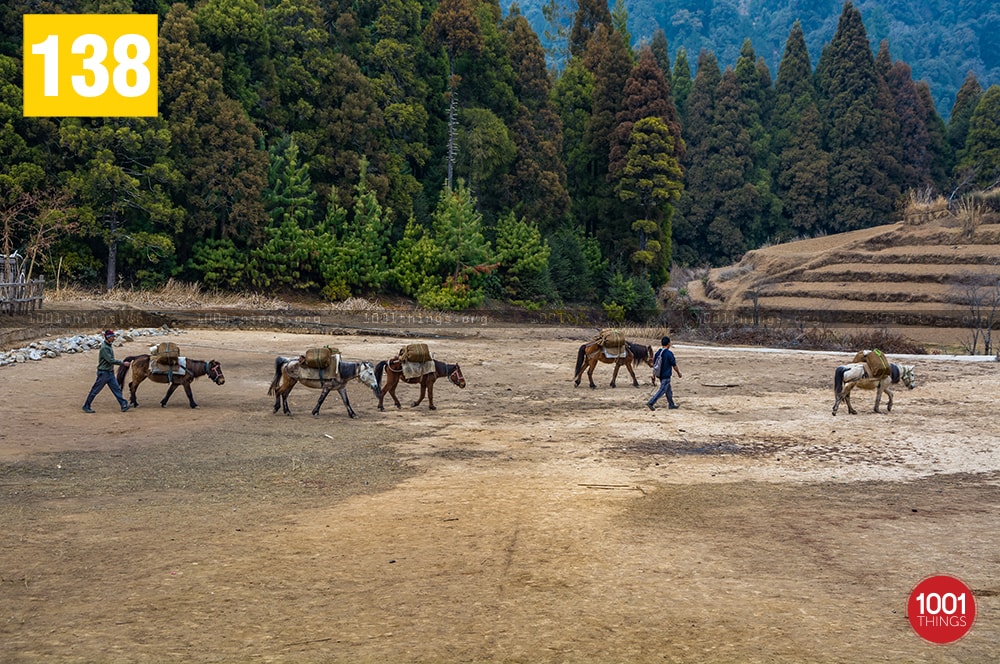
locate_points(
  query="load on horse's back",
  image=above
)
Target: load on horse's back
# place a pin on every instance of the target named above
(870, 370)
(610, 347)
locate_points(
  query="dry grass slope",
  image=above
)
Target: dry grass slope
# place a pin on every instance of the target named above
(923, 266)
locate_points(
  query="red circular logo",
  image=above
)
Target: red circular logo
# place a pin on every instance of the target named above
(941, 609)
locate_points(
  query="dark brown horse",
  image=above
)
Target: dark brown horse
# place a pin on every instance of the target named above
(394, 374)
(192, 369)
(287, 372)
(592, 353)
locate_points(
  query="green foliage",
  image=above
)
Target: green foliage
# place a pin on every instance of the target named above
(218, 264)
(631, 298)
(523, 256)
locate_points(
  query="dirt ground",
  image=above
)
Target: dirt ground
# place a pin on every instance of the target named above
(525, 520)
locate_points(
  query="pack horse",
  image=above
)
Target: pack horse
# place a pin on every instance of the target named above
(320, 369)
(859, 374)
(177, 372)
(611, 347)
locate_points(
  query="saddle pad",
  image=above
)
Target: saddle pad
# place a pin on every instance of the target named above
(418, 369)
(614, 353)
(325, 373)
(165, 369)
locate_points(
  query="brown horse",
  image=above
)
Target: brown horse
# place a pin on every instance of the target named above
(591, 353)
(192, 369)
(287, 373)
(394, 374)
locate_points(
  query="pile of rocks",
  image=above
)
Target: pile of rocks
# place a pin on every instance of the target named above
(79, 343)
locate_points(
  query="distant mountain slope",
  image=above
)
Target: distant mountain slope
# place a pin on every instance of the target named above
(941, 41)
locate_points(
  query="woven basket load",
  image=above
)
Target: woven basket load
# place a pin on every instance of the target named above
(319, 358)
(415, 353)
(166, 352)
(878, 363)
(612, 338)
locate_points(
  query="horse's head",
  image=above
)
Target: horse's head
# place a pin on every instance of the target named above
(456, 377)
(215, 372)
(906, 375)
(366, 374)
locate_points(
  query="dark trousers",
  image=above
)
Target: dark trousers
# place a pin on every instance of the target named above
(106, 378)
(663, 391)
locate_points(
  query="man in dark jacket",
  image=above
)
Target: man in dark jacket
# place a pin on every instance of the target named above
(664, 363)
(106, 364)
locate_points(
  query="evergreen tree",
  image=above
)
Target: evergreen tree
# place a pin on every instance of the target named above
(610, 61)
(651, 180)
(981, 154)
(942, 158)
(589, 15)
(213, 143)
(694, 210)
(661, 52)
(523, 257)
(680, 84)
(122, 179)
(859, 129)
(965, 103)
(646, 95)
(913, 131)
(573, 99)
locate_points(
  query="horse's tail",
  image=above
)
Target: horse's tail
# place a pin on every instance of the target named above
(579, 360)
(378, 373)
(838, 380)
(279, 363)
(122, 369)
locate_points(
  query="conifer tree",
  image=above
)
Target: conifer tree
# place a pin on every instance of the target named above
(651, 181)
(981, 154)
(961, 111)
(694, 211)
(942, 158)
(859, 129)
(589, 15)
(661, 52)
(680, 84)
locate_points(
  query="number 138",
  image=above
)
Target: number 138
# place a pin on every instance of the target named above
(98, 50)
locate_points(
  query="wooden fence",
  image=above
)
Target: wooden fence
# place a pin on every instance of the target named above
(17, 294)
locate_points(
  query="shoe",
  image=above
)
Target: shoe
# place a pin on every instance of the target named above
(124, 408)
(88, 409)
(650, 406)
(673, 406)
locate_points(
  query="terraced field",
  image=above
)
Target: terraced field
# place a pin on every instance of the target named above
(909, 273)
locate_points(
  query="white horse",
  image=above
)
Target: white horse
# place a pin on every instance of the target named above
(287, 374)
(849, 376)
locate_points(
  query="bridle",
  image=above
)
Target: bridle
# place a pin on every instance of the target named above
(456, 376)
(215, 372)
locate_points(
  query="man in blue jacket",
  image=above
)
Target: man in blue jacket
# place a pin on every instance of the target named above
(664, 363)
(106, 363)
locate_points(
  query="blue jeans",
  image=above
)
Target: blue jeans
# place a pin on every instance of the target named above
(664, 390)
(106, 378)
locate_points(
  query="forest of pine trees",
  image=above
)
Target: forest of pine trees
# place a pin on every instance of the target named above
(424, 149)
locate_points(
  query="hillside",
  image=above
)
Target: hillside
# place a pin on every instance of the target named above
(941, 42)
(907, 273)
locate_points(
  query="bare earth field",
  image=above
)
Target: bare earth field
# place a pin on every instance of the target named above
(523, 521)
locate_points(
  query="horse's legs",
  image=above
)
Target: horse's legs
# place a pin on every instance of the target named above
(430, 394)
(327, 386)
(347, 402)
(878, 395)
(283, 392)
(391, 381)
(847, 399)
(635, 381)
(888, 405)
(614, 376)
(132, 386)
(423, 391)
(590, 373)
(190, 396)
(170, 390)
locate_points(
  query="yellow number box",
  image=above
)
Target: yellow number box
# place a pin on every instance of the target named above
(90, 65)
